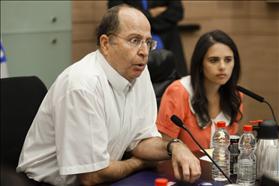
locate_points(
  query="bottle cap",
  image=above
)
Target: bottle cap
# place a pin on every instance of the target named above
(255, 122)
(247, 128)
(268, 129)
(161, 182)
(221, 124)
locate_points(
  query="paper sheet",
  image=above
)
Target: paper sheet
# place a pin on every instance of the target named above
(209, 152)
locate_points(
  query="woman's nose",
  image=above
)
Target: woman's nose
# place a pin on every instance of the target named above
(222, 64)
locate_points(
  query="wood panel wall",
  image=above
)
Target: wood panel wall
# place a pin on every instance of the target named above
(85, 17)
(254, 26)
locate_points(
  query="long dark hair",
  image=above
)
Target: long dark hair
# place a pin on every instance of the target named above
(229, 97)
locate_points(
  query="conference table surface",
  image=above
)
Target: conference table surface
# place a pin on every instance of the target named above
(164, 170)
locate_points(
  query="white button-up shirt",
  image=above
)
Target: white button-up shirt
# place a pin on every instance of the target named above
(90, 115)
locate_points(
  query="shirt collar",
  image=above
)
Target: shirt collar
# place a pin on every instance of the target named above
(118, 82)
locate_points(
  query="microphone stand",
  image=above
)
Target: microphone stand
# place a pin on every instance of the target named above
(271, 111)
(256, 97)
(179, 123)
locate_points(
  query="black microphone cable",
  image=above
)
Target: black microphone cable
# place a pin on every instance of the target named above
(256, 97)
(177, 121)
(271, 111)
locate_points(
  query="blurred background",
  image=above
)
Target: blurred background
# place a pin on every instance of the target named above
(44, 37)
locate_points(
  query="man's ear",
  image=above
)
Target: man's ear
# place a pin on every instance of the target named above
(104, 43)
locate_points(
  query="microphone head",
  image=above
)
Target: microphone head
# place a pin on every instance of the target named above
(177, 121)
(250, 93)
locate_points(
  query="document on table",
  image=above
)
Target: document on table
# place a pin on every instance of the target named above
(209, 152)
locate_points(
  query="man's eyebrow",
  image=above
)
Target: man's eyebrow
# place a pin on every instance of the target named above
(134, 35)
(138, 36)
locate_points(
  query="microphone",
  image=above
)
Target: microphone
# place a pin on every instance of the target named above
(177, 121)
(256, 97)
(249, 93)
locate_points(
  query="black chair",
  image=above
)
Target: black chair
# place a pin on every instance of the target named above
(268, 181)
(162, 71)
(20, 100)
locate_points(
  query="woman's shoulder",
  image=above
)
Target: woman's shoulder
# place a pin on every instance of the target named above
(177, 91)
(176, 87)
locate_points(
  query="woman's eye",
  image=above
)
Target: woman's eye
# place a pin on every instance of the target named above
(228, 60)
(213, 60)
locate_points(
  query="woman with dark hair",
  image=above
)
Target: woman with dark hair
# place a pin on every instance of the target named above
(206, 96)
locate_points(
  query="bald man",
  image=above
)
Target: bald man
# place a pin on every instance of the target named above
(98, 109)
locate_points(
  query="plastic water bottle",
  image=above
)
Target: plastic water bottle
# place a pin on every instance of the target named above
(247, 159)
(221, 154)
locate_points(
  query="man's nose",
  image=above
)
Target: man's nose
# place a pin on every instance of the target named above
(144, 49)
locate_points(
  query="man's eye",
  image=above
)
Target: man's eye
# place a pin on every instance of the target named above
(149, 42)
(135, 41)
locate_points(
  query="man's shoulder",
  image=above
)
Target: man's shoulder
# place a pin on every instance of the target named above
(87, 67)
(84, 74)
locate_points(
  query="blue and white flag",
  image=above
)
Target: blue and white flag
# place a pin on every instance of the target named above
(3, 61)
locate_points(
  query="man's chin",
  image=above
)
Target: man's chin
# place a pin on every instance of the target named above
(134, 76)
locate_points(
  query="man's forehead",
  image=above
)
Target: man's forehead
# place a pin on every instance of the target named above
(129, 10)
(132, 15)
(132, 20)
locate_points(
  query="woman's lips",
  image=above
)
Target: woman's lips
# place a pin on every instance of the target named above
(222, 75)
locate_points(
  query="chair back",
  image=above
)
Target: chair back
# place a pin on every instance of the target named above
(20, 100)
(161, 66)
